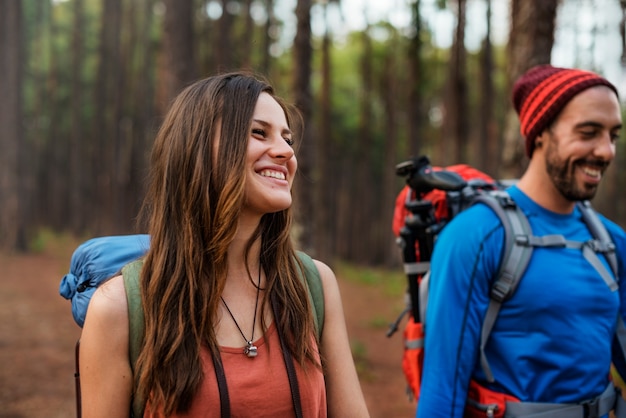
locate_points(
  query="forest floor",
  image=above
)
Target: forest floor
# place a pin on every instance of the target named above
(38, 335)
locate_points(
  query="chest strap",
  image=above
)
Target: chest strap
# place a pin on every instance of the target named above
(590, 250)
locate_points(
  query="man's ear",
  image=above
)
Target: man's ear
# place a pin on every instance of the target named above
(539, 140)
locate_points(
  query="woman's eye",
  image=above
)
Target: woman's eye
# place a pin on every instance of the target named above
(258, 132)
(289, 141)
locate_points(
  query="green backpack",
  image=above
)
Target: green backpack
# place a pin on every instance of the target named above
(131, 273)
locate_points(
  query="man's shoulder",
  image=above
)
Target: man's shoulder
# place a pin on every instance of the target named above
(473, 225)
(615, 230)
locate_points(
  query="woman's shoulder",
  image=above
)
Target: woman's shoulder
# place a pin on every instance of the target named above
(330, 287)
(324, 269)
(108, 304)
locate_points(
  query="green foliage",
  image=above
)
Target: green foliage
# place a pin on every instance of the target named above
(390, 282)
(47, 241)
(359, 355)
(379, 322)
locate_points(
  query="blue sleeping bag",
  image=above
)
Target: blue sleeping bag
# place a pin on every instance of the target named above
(93, 262)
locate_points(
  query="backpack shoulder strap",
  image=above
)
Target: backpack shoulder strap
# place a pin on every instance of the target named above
(599, 232)
(316, 290)
(513, 264)
(605, 245)
(519, 244)
(131, 273)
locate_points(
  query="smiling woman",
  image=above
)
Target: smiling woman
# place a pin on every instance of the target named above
(221, 282)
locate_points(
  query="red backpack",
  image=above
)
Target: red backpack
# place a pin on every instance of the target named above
(413, 334)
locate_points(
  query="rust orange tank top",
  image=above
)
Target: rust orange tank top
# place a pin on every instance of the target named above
(256, 386)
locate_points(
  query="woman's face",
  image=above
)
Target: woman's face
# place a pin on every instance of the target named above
(270, 163)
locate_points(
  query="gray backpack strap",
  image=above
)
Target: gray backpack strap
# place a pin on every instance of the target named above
(601, 244)
(518, 248)
(604, 244)
(599, 406)
(515, 259)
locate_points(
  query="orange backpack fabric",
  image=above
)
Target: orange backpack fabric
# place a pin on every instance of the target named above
(413, 334)
(413, 358)
(483, 402)
(437, 197)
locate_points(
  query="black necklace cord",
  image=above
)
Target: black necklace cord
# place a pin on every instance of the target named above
(287, 358)
(251, 349)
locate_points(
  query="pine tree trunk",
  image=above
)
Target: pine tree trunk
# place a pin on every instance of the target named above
(178, 46)
(11, 121)
(453, 147)
(487, 149)
(325, 191)
(415, 113)
(303, 52)
(77, 164)
(530, 43)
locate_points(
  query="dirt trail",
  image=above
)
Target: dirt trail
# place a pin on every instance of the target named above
(37, 338)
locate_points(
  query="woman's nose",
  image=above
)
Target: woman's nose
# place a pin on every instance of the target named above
(281, 149)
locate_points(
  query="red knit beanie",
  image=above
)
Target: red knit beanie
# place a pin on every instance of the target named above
(542, 92)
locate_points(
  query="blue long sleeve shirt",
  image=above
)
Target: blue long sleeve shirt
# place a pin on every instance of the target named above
(551, 341)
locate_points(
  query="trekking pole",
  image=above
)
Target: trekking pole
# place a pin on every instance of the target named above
(416, 231)
(420, 225)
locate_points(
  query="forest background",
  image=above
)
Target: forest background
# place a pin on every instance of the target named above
(84, 85)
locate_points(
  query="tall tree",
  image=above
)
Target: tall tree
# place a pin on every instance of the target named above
(106, 111)
(486, 157)
(303, 99)
(362, 190)
(53, 179)
(11, 45)
(178, 46)
(270, 23)
(453, 147)
(142, 102)
(78, 182)
(324, 190)
(135, 105)
(390, 89)
(531, 38)
(415, 112)
(36, 132)
(247, 36)
(224, 45)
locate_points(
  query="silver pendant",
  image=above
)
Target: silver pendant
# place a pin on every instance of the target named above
(250, 350)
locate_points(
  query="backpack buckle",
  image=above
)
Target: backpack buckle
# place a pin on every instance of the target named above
(501, 288)
(504, 200)
(522, 240)
(591, 409)
(600, 246)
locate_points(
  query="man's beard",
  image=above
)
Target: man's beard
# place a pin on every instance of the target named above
(562, 173)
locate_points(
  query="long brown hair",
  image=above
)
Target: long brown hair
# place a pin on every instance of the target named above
(192, 208)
